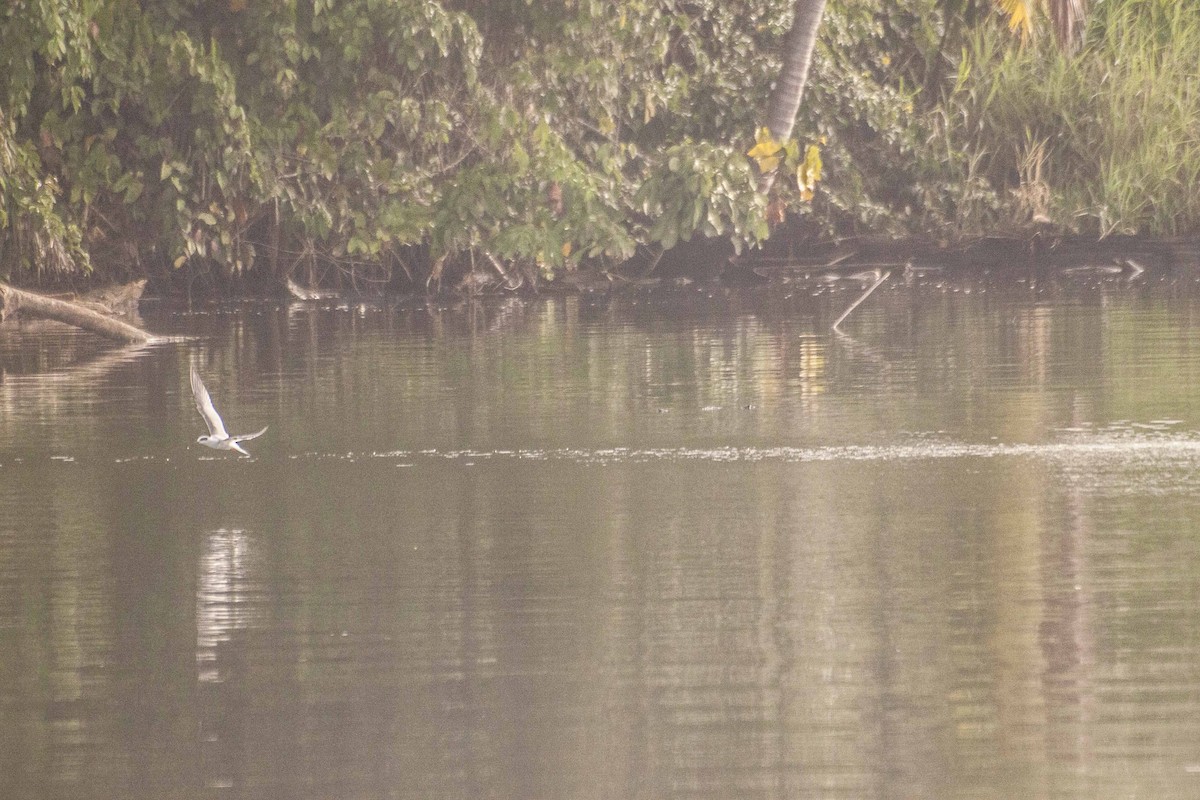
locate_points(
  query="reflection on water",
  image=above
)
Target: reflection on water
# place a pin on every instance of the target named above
(613, 548)
(226, 595)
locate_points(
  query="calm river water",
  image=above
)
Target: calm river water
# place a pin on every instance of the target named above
(645, 547)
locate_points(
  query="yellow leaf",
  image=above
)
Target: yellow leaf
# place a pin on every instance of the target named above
(812, 162)
(566, 249)
(1019, 16)
(765, 144)
(766, 151)
(809, 172)
(179, 262)
(760, 150)
(768, 163)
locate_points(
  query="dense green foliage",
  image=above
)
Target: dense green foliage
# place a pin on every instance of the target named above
(380, 141)
(1105, 140)
(375, 140)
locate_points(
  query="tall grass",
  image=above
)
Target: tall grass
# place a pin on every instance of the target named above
(1103, 141)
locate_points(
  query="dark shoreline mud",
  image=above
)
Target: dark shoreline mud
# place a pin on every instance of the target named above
(782, 261)
(992, 252)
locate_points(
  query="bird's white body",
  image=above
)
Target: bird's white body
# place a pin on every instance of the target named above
(216, 438)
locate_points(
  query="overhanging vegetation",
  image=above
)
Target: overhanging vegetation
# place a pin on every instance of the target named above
(374, 144)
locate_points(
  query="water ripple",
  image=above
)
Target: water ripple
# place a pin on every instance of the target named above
(1148, 444)
(1175, 447)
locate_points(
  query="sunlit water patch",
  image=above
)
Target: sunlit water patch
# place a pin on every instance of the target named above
(228, 596)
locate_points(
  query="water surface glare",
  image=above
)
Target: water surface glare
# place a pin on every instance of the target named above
(667, 545)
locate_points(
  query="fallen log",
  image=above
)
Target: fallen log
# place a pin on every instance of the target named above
(13, 300)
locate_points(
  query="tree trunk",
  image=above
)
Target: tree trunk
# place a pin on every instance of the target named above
(12, 300)
(789, 89)
(1068, 17)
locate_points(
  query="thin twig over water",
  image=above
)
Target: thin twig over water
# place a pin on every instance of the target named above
(882, 277)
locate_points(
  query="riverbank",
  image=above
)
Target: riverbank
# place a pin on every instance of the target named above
(783, 261)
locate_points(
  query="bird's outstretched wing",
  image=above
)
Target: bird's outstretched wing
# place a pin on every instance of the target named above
(248, 436)
(205, 406)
